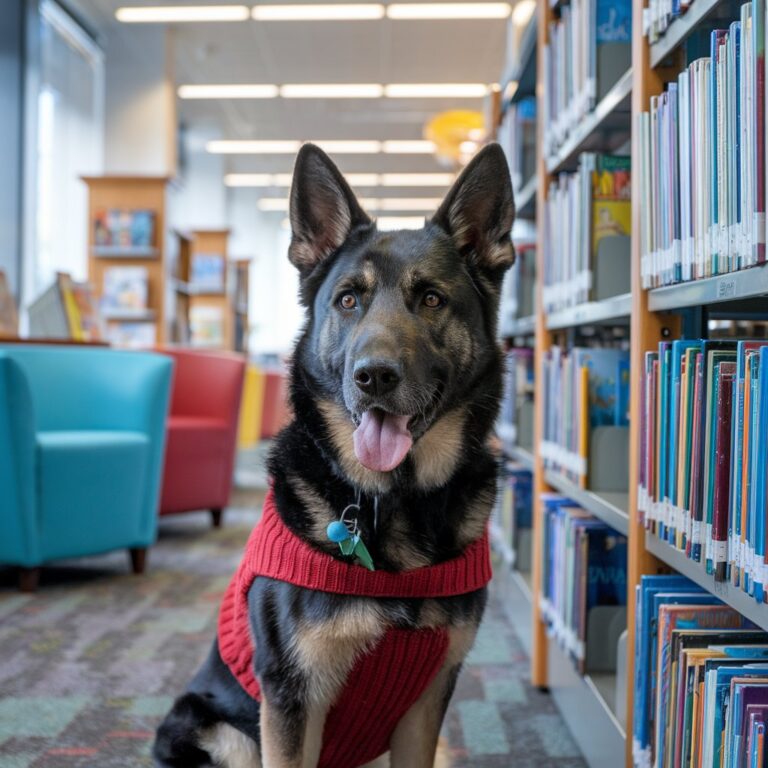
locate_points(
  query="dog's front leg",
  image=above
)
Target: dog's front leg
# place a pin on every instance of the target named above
(291, 732)
(414, 741)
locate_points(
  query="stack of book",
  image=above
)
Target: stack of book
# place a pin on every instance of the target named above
(701, 680)
(587, 227)
(517, 136)
(584, 579)
(515, 426)
(513, 514)
(704, 450)
(589, 49)
(583, 389)
(703, 161)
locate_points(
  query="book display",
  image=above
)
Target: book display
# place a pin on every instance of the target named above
(9, 318)
(127, 257)
(680, 337)
(66, 310)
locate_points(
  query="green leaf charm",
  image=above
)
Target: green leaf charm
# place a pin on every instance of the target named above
(361, 553)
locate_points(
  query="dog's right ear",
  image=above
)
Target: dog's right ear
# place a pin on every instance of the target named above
(323, 211)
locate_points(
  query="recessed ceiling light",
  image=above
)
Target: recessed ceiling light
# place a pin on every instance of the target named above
(522, 12)
(435, 90)
(234, 91)
(182, 13)
(416, 179)
(448, 10)
(388, 223)
(416, 147)
(331, 91)
(279, 204)
(320, 12)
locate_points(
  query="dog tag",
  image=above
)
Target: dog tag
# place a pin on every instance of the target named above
(362, 555)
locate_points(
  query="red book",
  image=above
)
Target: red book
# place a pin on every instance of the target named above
(724, 413)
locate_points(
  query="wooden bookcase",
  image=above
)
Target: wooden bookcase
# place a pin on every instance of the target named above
(226, 300)
(130, 194)
(652, 315)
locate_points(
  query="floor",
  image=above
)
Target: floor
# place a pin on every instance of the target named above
(91, 663)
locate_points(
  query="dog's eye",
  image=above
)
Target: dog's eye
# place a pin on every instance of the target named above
(347, 301)
(432, 300)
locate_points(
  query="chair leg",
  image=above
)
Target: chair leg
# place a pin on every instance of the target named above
(29, 579)
(216, 515)
(138, 559)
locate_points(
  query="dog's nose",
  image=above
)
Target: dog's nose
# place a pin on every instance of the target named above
(377, 377)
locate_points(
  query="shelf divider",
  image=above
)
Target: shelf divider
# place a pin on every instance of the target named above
(592, 313)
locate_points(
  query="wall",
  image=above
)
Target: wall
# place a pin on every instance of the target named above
(11, 103)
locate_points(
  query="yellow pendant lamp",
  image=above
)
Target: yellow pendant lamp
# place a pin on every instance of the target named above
(456, 135)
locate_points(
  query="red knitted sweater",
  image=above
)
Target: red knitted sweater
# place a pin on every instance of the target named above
(385, 681)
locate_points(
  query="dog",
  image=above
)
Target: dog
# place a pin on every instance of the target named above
(395, 387)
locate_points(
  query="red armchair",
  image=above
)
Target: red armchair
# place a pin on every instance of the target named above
(202, 431)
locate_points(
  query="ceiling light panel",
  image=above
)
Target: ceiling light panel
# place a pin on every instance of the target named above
(387, 223)
(397, 147)
(435, 90)
(182, 13)
(358, 180)
(332, 91)
(319, 12)
(233, 91)
(448, 10)
(416, 179)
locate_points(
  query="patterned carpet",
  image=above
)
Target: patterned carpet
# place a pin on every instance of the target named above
(90, 664)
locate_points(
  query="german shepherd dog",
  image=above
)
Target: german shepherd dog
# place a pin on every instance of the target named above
(396, 382)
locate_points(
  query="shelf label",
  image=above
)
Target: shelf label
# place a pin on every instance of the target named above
(726, 288)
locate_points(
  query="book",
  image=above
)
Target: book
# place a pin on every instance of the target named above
(132, 335)
(703, 161)
(207, 272)
(116, 228)
(206, 326)
(9, 319)
(125, 290)
(66, 310)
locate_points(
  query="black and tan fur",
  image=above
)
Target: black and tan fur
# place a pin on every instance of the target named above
(429, 508)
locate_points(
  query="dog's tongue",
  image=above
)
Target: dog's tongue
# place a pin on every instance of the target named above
(382, 440)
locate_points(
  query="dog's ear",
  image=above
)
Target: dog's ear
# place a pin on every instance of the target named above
(479, 210)
(323, 209)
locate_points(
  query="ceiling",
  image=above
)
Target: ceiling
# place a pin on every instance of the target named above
(382, 51)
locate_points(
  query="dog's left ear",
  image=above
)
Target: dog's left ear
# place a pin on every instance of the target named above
(323, 209)
(479, 210)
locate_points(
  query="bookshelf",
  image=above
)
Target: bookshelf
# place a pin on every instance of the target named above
(127, 256)
(589, 703)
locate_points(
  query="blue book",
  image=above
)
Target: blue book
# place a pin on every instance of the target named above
(665, 352)
(621, 418)
(760, 492)
(717, 38)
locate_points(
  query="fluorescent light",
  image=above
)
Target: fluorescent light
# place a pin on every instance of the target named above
(248, 180)
(354, 179)
(332, 91)
(468, 147)
(234, 91)
(181, 13)
(278, 147)
(522, 12)
(407, 204)
(333, 12)
(279, 204)
(386, 223)
(435, 90)
(408, 147)
(289, 147)
(416, 179)
(344, 147)
(448, 10)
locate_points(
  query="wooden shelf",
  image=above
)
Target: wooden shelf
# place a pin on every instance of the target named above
(520, 455)
(606, 127)
(130, 315)
(520, 326)
(592, 313)
(611, 508)
(735, 286)
(733, 596)
(584, 705)
(525, 199)
(125, 252)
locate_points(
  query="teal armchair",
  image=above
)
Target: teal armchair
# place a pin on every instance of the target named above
(82, 435)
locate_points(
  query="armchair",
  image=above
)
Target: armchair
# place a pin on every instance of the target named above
(202, 431)
(82, 433)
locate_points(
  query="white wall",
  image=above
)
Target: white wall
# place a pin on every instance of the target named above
(275, 312)
(140, 102)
